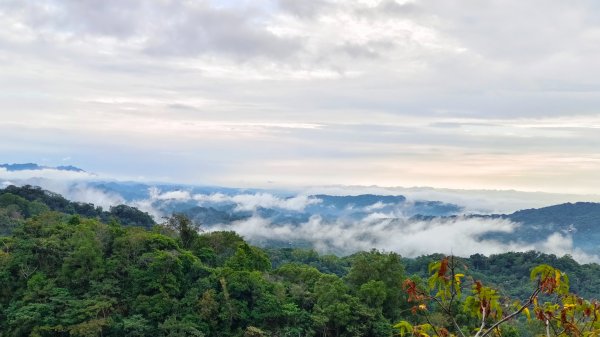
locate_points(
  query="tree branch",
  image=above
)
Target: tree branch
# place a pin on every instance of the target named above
(482, 321)
(528, 303)
(432, 326)
(449, 315)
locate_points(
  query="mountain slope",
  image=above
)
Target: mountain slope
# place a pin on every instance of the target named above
(22, 202)
(580, 220)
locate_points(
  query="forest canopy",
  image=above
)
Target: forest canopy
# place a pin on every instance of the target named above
(70, 269)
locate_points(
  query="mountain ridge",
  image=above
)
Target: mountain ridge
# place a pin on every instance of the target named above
(36, 167)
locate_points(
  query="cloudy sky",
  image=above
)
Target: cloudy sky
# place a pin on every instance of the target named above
(454, 94)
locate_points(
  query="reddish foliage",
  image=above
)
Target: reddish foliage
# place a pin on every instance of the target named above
(563, 316)
(548, 285)
(478, 286)
(443, 268)
(484, 304)
(410, 287)
(539, 314)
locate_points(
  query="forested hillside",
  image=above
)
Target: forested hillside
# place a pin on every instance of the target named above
(69, 274)
(63, 275)
(18, 203)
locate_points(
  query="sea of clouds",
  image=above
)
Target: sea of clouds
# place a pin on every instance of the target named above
(391, 230)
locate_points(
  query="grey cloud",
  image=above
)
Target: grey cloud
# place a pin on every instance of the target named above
(315, 8)
(108, 18)
(392, 7)
(369, 50)
(454, 125)
(170, 28)
(185, 107)
(528, 33)
(200, 29)
(304, 8)
(366, 72)
(73, 17)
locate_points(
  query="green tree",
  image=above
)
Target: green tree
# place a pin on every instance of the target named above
(388, 271)
(249, 258)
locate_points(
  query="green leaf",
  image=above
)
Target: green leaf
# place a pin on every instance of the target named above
(404, 328)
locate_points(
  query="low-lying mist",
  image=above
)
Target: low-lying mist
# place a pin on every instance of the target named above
(384, 226)
(461, 236)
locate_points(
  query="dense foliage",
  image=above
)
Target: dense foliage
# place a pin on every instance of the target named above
(65, 273)
(509, 272)
(22, 202)
(556, 311)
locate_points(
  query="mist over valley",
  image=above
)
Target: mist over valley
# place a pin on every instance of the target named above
(347, 221)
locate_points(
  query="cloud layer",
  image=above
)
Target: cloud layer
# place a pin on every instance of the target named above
(279, 92)
(460, 236)
(379, 225)
(250, 202)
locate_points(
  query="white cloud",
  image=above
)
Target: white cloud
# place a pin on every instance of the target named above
(147, 205)
(562, 244)
(375, 206)
(177, 195)
(460, 236)
(85, 193)
(250, 202)
(74, 191)
(73, 185)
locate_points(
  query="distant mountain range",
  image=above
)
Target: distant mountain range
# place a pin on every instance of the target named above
(580, 220)
(35, 167)
(230, 208)
(215, 205)
(211, 206)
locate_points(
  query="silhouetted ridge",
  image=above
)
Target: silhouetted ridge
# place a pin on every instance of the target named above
(34, 167)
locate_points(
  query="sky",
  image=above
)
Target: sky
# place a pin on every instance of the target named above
(450, 94)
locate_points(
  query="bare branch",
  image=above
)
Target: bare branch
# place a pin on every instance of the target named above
(433, 326)
(449, 313)
(482, 321)
(527, 304)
